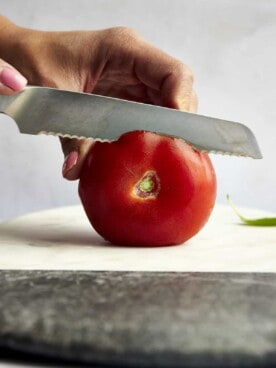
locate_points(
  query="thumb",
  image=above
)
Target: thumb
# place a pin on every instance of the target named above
(75, 152)
(11, 80)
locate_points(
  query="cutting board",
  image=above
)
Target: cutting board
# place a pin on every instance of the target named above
(69, 296)
(63, 239)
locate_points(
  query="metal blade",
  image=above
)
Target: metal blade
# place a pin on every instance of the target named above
(39, 110)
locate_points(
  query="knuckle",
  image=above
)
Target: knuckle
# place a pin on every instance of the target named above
(185, 72)
(189, 74)
(122, 33)
(122, 41)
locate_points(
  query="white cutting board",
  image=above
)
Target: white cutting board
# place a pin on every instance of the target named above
(62, 239)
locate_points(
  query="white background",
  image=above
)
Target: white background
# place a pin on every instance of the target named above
(229, 45)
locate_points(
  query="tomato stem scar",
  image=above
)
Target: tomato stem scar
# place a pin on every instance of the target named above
(148, 186)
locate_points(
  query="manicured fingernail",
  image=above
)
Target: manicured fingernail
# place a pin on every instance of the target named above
(12, 79)
(70, 161)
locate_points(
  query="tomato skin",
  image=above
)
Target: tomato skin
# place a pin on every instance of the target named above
(177, 208)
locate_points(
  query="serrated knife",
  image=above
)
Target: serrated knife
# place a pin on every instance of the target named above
(40, 110)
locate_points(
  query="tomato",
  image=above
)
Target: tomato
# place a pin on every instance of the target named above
(147, 189)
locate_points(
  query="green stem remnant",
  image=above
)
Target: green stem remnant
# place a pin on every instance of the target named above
(262, 221)
(148, 186)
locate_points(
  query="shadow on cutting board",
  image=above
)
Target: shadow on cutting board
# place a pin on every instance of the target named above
(52, 235)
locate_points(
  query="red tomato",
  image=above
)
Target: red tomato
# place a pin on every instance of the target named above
(147, 189)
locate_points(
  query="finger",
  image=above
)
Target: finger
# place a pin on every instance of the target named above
(177, 89)
(11, 80)
(163, 73)
(194, 103)
(75, 151)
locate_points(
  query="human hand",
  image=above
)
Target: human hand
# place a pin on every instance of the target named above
(115, 62)
(11, 81)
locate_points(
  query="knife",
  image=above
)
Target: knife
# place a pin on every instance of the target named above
(40, 110)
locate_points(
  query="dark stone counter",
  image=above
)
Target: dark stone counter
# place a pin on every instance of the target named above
(140, 319)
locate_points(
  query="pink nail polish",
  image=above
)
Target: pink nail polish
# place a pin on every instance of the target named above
(12, 79)
(69, 162)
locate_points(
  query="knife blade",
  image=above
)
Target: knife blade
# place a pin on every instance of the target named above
(40, 110)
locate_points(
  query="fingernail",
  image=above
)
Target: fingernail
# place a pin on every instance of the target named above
(70, 161)
(12, 79)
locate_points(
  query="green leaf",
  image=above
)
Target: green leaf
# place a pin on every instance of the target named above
(262, 221)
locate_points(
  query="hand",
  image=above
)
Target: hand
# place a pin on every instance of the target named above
(11, 81)
(114, 62)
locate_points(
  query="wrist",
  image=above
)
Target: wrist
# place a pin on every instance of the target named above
(9, 37)
(16, 44)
